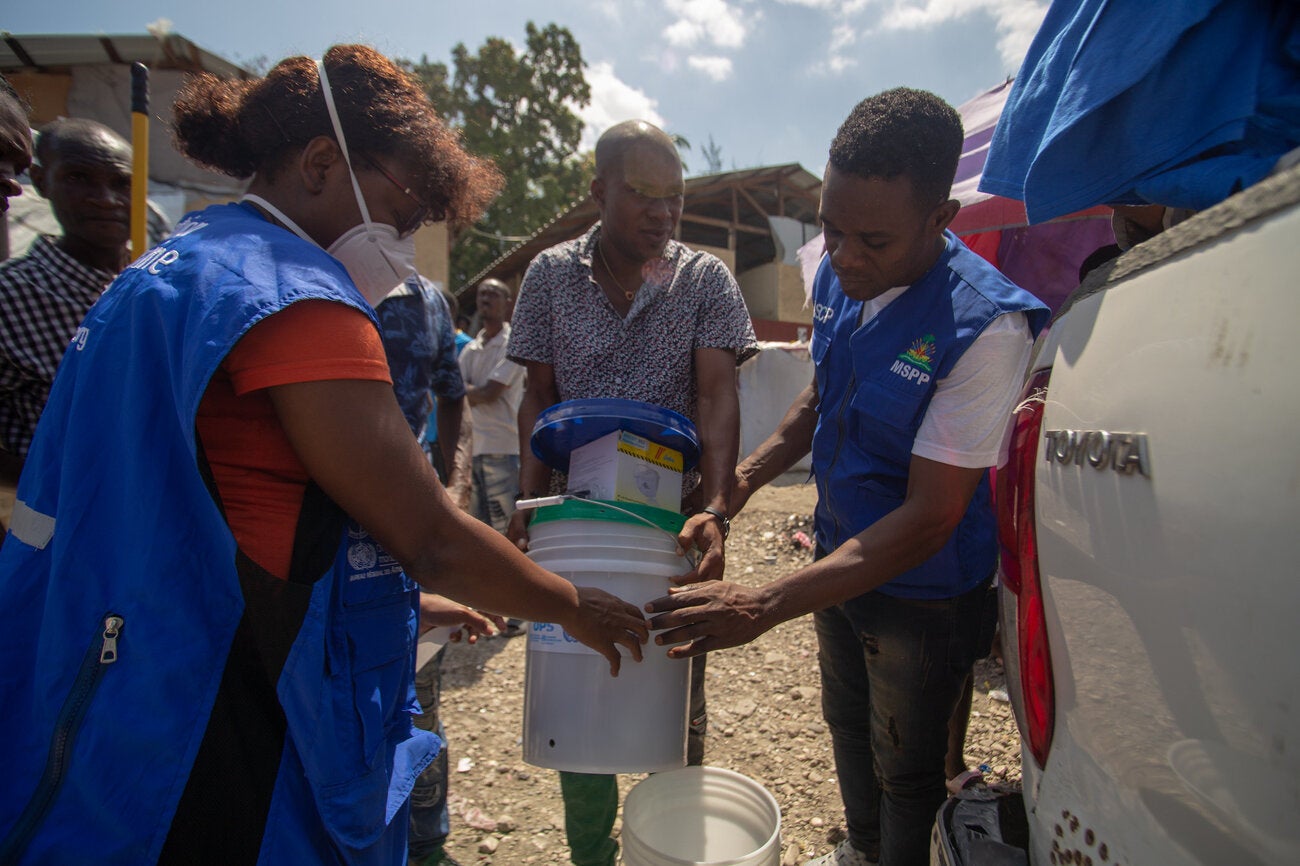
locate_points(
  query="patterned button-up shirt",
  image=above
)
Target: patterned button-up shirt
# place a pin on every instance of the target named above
(689, 301)
(415, 325)
(44, 295)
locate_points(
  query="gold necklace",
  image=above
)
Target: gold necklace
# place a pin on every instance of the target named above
(600, 250)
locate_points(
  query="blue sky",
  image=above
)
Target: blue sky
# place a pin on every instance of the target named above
(769, 80)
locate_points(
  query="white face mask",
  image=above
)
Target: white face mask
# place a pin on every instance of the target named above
(375, 257)
(354, 248)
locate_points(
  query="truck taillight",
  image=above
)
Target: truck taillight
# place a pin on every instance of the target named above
(1019, 565)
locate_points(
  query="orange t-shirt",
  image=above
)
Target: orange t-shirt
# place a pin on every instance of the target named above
(257, 472)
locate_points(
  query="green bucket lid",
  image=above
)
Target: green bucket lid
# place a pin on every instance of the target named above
(595, 509)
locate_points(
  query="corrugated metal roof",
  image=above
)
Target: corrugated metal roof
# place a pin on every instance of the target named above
(791, 172)
(167, 51)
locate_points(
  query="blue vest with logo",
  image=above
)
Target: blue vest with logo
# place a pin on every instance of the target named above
(130, 609)
(874, 384)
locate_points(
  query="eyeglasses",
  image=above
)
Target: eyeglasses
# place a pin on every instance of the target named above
(422, 211)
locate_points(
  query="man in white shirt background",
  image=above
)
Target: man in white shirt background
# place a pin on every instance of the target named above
(493, 386)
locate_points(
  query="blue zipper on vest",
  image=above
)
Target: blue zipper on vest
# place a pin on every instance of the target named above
(101, 653)
(835, 456)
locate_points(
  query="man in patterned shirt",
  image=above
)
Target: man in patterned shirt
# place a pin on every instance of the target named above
(627, 312)
(415, 322)
(84, 169)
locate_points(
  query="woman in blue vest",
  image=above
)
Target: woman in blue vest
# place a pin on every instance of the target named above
(212, 603)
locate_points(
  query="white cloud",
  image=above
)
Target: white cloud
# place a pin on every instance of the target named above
(716, 22)
(1016, 20)
(842, 36)
(1017, 26)
(838, 58)
(834, 65)
(717, 68)
(839, 7)
(611, 9)
(613, 101)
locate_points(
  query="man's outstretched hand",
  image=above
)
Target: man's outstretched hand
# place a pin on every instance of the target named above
(710, 616)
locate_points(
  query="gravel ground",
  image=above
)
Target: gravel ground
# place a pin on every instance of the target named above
(764, 718)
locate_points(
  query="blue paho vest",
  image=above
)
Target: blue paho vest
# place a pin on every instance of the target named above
(123, 598)
(874, 384)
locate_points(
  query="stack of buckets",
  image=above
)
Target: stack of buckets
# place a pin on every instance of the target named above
(580, 719)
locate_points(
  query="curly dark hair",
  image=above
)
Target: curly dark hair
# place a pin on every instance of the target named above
(242, 128)
(902, 132)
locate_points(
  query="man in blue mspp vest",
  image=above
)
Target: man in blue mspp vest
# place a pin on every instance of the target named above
(919, 347)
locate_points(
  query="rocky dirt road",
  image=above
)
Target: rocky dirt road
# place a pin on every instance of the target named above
(764, 718)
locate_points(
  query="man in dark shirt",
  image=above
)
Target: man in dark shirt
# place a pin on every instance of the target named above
(84, 169)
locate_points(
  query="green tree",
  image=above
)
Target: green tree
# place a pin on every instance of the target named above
(712, 153)
(520, 110)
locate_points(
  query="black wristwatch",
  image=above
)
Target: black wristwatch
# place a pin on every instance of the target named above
(723, 519)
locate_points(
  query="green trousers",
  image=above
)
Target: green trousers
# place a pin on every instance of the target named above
(590, 806)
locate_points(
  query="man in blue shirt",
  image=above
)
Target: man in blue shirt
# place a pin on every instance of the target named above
(919, 347)
(415, 323)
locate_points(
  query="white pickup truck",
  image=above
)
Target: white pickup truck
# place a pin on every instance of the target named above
(1149, 512)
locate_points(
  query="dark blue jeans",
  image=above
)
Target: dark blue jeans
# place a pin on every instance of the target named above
(429, 819)
(892, 671)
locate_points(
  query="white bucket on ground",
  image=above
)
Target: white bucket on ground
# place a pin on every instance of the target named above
(701, 816)
(576, 716)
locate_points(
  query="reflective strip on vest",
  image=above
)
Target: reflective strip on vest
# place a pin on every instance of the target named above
(30, 526)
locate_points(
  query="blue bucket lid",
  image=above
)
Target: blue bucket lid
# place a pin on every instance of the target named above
(574, 423)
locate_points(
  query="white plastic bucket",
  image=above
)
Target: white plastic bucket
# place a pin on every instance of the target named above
(576, 716)
(701, 816)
